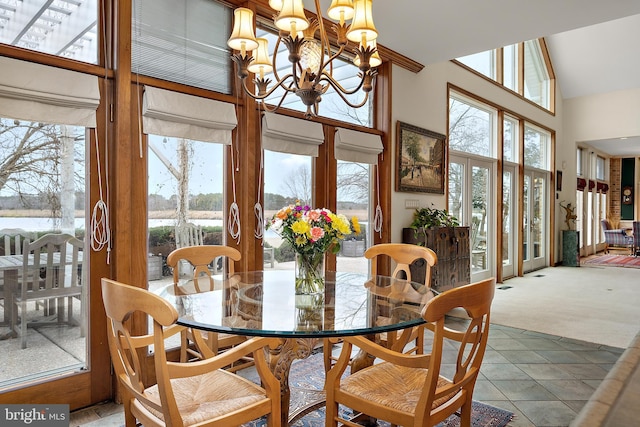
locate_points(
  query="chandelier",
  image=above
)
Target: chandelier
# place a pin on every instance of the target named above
(311, 59)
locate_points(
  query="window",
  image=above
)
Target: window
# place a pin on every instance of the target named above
(510, 67)
(185, 185)
(332, 106)
(66, 28)
(579, 161)
(42, 190)
(511, 139)
(600, 167)
(537, 146)
(538, 78)
(537, 83)
(354, 200)
(483, 62)
(471, 127)
(183, 42)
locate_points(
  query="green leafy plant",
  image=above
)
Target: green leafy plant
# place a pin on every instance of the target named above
(433, 218)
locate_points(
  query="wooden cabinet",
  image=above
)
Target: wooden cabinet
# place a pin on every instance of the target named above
(451, 245)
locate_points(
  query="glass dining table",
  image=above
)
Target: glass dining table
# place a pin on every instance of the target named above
(264, 304)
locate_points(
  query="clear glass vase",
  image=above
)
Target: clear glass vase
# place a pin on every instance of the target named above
(309, 273)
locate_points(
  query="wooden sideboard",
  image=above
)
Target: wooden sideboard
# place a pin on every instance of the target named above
(451, 245)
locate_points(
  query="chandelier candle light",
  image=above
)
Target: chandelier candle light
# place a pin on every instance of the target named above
(311, 233)
(311, 59)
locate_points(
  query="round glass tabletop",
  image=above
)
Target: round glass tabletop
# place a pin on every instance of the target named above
(264, 303)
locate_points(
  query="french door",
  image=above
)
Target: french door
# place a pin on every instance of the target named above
(535, 220)
(471, 183)
(509, 221)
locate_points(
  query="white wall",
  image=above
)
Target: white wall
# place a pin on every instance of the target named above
(421, 100)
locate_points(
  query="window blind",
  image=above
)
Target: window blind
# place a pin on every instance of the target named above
(359, 147)
(290, 135)
(47, 94)
(180, 115)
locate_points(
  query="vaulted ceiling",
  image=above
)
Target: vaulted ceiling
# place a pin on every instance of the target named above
(593, 43)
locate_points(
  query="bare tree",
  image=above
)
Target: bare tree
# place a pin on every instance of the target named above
(297, 184)
(30, 161)
(353, 182)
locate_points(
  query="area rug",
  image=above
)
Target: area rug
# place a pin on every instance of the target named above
(308, 374)
(614, 261)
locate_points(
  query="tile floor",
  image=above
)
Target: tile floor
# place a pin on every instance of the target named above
(543, 379)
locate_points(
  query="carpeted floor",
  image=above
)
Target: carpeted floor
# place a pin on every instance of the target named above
(614, 261)
(309, 374)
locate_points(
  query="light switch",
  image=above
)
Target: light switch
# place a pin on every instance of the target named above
(411, 204)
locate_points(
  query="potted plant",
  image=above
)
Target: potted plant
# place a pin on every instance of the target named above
(433, 218)
(440, 231)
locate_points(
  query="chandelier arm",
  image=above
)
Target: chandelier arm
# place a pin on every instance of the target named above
(323, 38)
(338, 87)
(270, 91)
(342, 94)
(275, 59)
(328, 63)
(288, 90)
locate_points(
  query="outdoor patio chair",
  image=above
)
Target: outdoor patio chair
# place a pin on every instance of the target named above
(185, 394)
(51, 272)
(408, 390)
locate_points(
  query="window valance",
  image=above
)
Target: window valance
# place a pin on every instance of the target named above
(42, 93)
(360, 147)
(180, 115)
(290, 135)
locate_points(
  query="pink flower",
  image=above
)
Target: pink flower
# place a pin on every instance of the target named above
(313, 215)
(316, 233)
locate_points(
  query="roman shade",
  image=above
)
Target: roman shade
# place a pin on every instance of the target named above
(359, 147)
(290, 135)
(180, 115)
(47, 94)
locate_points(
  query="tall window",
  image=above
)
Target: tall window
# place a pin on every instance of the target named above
(42, 191)
(354, 200)
(185, 186)
(66, 28)
(537, 83)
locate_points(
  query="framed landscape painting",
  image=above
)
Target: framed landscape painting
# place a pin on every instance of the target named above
(420, 159)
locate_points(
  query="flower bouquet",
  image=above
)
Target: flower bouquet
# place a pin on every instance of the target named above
(312, 233)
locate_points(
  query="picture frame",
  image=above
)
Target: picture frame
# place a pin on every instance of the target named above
(420, 159)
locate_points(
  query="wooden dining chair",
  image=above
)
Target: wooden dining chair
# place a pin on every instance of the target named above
(403, 255)
(194, 343)
(185, 394)
(408, 389)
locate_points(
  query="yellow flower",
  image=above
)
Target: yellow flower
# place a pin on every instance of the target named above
(355, 224)
(300, 227)
(301, 240)
(341, 224)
